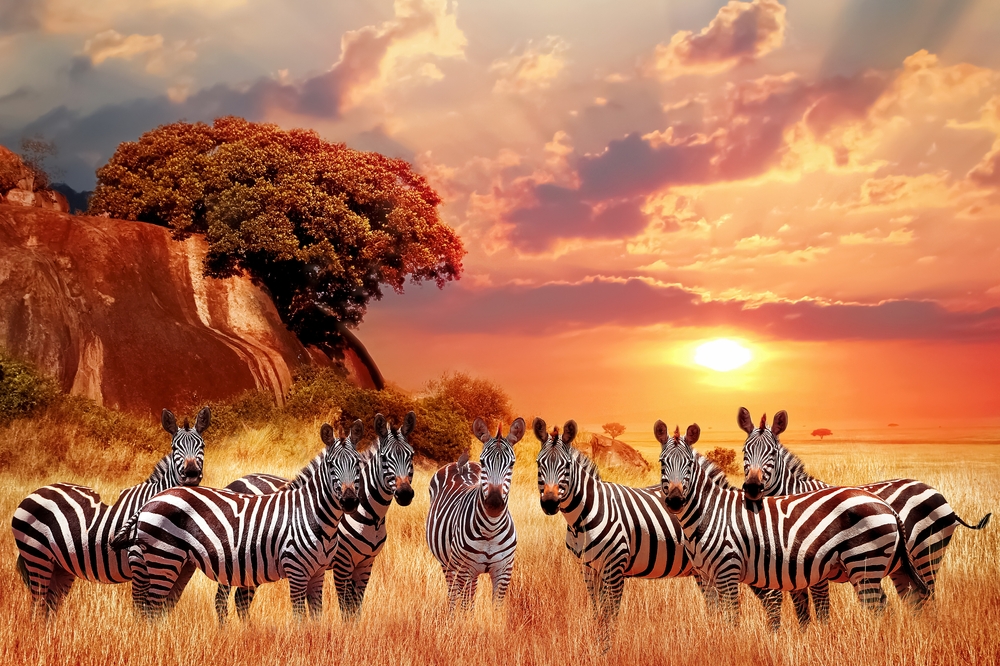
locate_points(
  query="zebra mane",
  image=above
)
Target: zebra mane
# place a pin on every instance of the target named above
(161, 470)
(794, 466)
(714, 472)
(588, 466)
(307, 473)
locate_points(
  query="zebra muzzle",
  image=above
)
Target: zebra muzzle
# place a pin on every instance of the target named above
(494, 502)
(404, 492)
(191, 476)
(550, 500)
(754, 484)
(349, 498)
(674, 497)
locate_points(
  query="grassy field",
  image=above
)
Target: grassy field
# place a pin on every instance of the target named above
(546, 619)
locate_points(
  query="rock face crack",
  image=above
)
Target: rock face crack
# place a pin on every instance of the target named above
(121, 313)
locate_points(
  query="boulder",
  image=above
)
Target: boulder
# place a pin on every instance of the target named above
(51, 200)
(13, 171)
(120, 312)
(610, 453)
(20, 197)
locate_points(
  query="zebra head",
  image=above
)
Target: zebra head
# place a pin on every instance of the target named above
(677, 463)
(760, 453)
(343, 464)
(554, 464)
(396, 457)
(187, 448)
(496, 464)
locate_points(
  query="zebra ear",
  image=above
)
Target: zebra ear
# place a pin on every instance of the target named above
(540, 430)
(780, 423)
(357, 432)
(169, 421)
(327, 435)
(408, 423)
(203, 421)
(745, 421)
(693, 433)
(463, 462)
(516, 431)
(661, 432)
(569, 432)
(481, 431)
(380, 427)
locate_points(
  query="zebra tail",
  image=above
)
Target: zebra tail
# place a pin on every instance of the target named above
(978, 526)
(906, 561)
(22, 568)
(125, 537)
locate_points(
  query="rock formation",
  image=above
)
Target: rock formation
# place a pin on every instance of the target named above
(609, 453)
(121, 313)
(17, 185)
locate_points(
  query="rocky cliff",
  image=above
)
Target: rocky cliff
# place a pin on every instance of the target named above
(120, 312)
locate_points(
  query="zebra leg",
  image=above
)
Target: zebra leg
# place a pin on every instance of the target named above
(729, 598)
(870, 593)
(59, 587)
(222, 603)
(362, 574)
(298, 586)
(37, 577)
(800, 601)
(771, 600)
(500, 577)
(140, 579)
(314, 595)
(243, 599)
(820, 593)
(182, 580)
(163, 574)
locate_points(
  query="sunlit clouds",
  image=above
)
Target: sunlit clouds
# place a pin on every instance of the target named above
(630, 180)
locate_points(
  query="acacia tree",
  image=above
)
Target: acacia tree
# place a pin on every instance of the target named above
(821, 433)
(613, 430)
(323, 227)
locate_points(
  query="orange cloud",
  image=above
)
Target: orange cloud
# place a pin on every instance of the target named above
(533, 69)
(741, 31)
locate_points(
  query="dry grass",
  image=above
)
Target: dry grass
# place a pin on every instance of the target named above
(546, 619)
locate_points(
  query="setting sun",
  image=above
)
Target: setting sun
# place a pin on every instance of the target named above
(722, 355)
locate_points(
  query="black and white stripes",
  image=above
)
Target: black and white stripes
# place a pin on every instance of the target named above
(469, 529)
(784, 543)
(63, 531)
(249, 540)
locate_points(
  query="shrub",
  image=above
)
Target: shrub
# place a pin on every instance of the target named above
(474, 398)
(724, 458)
(23, 390)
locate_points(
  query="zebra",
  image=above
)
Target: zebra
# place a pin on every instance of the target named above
(771, 469)
(247, 540)
(616, 531)
(386, 471)
(469, 528)
(781, 543)
(62, 531)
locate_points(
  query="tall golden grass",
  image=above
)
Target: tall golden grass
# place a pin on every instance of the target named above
(546, 619)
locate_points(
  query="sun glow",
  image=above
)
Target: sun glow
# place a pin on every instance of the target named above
(722, 355)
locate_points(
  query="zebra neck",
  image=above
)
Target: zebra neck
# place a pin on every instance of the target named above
(375, 498)
(582, 505)
(489, 526)
(704, 494)
(792, 476)
(313, 503)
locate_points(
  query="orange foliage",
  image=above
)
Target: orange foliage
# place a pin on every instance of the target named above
(323, 226)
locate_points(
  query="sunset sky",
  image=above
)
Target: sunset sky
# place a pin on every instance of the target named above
(819, 181)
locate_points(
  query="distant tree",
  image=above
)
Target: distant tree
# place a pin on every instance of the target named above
(322, 226)
(724, 458)
(475, 397)
(821, 433)
(35, 151)
(613, 430)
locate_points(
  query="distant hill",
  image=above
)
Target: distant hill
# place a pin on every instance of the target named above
(78, 201)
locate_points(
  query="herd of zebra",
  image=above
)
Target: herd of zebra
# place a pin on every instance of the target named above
(783, 531)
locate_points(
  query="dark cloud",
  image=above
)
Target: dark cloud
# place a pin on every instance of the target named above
(19, 16)
(554, 307)
(746, 143)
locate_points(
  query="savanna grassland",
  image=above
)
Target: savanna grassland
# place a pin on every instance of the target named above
(546, 619)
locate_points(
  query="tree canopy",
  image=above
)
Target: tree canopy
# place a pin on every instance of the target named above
(322, 226)
(613, 430)
(822, 432)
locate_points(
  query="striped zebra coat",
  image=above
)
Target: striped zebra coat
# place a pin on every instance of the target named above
(63, 531)
(781, 543)
(247, 540)
(928, 520)
(386, 471)
(469, 529)
(616, 531)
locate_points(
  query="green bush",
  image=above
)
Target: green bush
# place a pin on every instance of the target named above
(23, 390)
